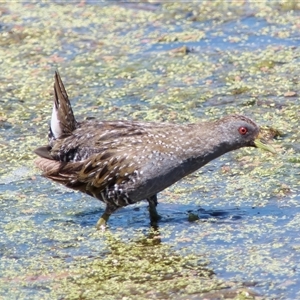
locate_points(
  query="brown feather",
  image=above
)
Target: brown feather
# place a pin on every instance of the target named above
(63, 106)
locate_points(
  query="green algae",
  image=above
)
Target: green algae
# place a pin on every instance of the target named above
(129, 267)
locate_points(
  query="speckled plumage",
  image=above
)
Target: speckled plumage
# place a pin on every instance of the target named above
(123, 162)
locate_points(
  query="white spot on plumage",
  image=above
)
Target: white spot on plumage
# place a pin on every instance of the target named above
(88, 164)
(91, 174)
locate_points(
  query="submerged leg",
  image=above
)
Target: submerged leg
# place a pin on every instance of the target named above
(154, 216)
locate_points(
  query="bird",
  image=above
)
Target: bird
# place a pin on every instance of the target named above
(122, 162)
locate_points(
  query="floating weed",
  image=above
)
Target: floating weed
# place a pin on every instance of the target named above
(130, 266)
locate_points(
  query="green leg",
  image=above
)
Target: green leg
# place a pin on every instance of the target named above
(101, 224)
(154, 216)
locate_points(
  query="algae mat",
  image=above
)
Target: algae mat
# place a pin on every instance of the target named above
(230, 230)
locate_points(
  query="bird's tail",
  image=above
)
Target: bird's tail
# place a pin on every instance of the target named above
(62, 121)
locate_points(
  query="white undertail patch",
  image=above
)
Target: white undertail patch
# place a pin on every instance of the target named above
(55, 123)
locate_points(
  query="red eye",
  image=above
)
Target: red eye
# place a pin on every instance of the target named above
(243, 130)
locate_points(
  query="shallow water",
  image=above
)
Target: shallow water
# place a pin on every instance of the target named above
(230, 229)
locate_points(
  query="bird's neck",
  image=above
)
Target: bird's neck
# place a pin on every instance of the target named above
(206, 145)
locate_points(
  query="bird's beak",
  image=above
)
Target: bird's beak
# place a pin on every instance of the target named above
(258, 143)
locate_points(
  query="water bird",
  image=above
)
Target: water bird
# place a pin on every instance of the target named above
(123, 162)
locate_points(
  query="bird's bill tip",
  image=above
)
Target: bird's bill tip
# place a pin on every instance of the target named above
(259, 144)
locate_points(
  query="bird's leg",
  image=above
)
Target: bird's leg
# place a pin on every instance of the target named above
(101, 224)
(154, 216)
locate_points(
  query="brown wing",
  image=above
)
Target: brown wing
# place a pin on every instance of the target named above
(61, 172)
(106, 169)
(97, 173)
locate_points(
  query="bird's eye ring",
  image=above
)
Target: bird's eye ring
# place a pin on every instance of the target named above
(243, 130)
